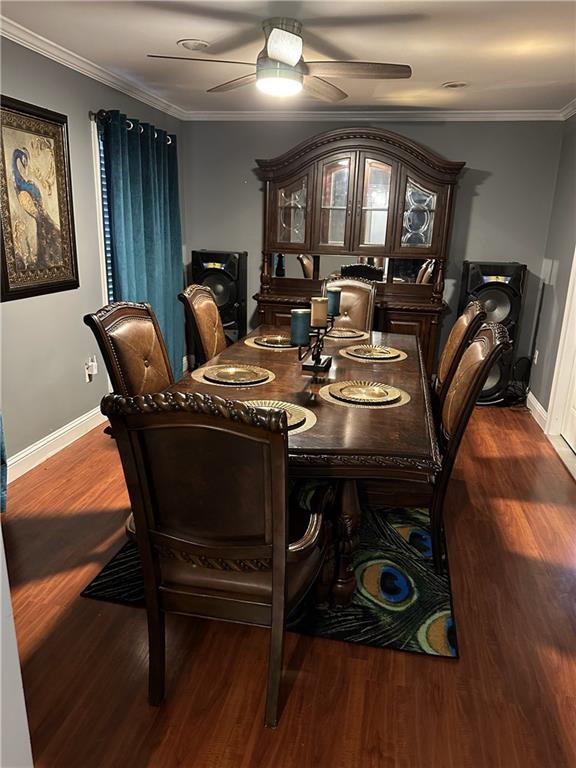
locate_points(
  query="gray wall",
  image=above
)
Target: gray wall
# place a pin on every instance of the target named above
(44, 341)
(503, 203)
(557, 266)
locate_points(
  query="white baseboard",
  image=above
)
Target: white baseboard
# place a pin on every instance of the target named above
(35, 454)
(539, 413)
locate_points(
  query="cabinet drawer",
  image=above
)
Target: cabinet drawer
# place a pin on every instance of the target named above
(281, 318)
(403, 325)
(275, 315)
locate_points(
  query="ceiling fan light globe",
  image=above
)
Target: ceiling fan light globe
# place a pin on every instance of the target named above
(277, 79)
(275, 85)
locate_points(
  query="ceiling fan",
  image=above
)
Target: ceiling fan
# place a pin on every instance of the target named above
(282, 71)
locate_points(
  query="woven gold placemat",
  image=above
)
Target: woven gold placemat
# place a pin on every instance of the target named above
(344, 352)
(251, 343)
(198, 375)
(325, 395)
(309, 422)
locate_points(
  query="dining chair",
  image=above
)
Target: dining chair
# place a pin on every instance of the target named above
(357, 302)
(484, 351)
(203, 322)
(460, 336)
(132, 347)
(307, 264)
(367, 271)
(213, 542)
(424, 276)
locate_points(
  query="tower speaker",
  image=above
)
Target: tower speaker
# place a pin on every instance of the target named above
(500, 285)
(225, 272)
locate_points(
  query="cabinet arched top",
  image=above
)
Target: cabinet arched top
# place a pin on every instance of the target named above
(385, 143)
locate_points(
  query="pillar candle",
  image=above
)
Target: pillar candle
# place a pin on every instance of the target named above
(300, 327)
(319, 307)
(334, 300)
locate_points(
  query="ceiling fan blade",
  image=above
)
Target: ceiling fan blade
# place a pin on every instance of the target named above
(233, 42)
(231, 85)
(321, 89)
(186, 10)
(325, 47)
(363, 70)
(191, 58)
(360, 20)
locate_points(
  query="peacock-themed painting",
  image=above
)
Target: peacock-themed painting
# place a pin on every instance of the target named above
(38, 246)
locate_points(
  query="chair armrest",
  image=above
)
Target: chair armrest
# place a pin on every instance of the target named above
(129, 527)
(299, 550)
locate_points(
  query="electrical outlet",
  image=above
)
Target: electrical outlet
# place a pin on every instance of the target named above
(90, 368)
(535, 358)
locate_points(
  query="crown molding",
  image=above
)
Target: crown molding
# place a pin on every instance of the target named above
(383, 115)
(31, 40)
(569, 110)
(25, 37)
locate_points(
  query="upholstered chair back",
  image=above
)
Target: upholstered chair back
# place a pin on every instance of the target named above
(481, 355)
(203, 322)
(461, 333)
(207, 483)
(356, 303)
(132, 346)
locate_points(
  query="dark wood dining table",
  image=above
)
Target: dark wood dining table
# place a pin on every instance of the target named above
(346, 444)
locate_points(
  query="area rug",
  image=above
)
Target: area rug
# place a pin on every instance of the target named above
(399, 602)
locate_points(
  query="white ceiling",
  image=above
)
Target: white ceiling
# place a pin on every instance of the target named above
(514, 55)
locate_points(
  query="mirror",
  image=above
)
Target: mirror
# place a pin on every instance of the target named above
(378, 268)
(418, 271)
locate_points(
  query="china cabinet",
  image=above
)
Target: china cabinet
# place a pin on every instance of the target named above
(359, 196)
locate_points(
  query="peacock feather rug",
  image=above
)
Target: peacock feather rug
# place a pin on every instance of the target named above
(399, 603)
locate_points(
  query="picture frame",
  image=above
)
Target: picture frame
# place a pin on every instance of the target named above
(38, 252)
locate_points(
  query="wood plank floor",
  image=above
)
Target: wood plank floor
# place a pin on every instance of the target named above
(510, 701)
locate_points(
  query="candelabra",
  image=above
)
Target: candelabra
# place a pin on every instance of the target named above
(318, 362)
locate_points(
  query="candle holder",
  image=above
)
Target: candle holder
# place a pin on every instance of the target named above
(318, 362)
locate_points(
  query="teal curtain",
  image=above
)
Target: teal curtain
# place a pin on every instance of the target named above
(141, 167)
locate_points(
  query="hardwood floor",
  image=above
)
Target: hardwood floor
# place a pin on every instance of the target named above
(510, 701)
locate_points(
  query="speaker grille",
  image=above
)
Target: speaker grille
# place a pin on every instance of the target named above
(223, 288)
(225, 273)
(494, 380)
(498, 301)
(500, 286)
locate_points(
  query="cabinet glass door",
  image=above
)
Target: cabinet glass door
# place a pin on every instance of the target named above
(375, 202)
(418, 215)
(291, 212)
(336, 181)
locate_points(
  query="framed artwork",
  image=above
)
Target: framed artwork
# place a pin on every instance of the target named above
(37, 222)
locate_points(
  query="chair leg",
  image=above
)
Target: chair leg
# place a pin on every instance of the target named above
(156, 656)
(275, 670)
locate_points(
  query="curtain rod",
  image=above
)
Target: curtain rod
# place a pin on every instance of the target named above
(103, 115)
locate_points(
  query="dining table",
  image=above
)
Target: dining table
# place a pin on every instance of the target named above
(346, 443)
